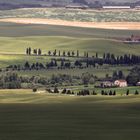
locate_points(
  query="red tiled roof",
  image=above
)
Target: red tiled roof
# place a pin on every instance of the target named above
(121, 80)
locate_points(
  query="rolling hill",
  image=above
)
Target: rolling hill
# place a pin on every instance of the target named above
(12, 4)
(63, 1)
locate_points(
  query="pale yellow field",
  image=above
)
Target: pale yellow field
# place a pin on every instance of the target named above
(102, 25)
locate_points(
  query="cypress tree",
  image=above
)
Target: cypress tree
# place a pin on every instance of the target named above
(77, 53)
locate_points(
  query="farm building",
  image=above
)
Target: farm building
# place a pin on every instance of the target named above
(121, 83)
(138, 83)
(132, 40)
(137, 7)
(107, 84)
(77, 6)
(116, 7)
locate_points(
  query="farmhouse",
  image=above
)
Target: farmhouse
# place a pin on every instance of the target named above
(121, 83)
(116, 7)
(132, 40)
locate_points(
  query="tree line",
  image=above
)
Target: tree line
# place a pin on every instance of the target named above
(79, 63)
(106, 58)
(11, 80)
(134, 76)
(86, 92)
(30, 51)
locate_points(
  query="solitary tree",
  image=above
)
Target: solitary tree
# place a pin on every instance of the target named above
(62, 63)
(64, 53)
(35, 51)
(56, 90)
(54, 53)
(27, 65)
(73, 53)
(87, 55)
(114, 93)
(49, 53)
(77, 53)
(34, 89)
(136, 92)
(68, 53)
(96, 55)
(127, 92)
(27, 51)
(59, 53)
(39, 52)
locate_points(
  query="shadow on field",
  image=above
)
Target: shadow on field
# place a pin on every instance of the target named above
(78, 120)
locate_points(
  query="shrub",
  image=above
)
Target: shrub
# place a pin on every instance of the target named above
(34, 89)
(136, 92)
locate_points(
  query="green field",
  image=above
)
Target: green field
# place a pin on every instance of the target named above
(92, 45)
(74, 15)
(25, 115)
(15, 38)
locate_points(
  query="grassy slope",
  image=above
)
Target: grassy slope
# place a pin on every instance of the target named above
(91, 45)
(15, 38)
(68, 118)
(47, 37)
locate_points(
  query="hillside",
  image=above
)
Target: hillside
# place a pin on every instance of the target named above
(12, 4)
(63, 1)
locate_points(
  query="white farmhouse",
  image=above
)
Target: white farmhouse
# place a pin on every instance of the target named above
(121, 83)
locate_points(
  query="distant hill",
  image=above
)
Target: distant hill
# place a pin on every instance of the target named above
(11, 4)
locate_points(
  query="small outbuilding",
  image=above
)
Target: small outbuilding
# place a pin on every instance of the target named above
(107, 84)
(138, 84)
(116, 7)
(132, 40)
(77, 6)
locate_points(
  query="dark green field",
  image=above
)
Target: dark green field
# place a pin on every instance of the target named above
(21, 30)
(39, 117)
